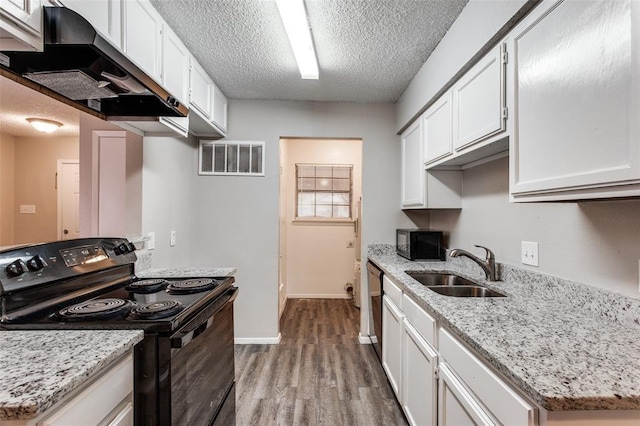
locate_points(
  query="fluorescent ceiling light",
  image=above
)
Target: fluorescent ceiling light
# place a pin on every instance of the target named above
(44, 125)
(294, 18)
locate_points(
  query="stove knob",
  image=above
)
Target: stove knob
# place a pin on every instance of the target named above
(132, 247)
(15, 269)
(35, 264)
(121, 249)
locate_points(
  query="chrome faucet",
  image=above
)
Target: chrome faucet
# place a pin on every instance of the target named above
(488, 265)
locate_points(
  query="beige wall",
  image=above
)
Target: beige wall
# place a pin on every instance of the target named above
(595, 242)
(35, 162)
(7, 144)
(318, 263)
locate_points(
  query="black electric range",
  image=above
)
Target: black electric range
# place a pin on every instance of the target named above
(184, 367)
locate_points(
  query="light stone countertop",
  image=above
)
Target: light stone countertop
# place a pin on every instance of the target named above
(39, 368)
(186, 272)
(568, 346)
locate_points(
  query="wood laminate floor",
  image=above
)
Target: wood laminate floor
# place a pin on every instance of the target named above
(318, 375)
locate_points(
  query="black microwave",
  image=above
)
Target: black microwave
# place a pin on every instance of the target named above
(419, 244)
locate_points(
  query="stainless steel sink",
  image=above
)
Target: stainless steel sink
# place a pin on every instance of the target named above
(452, 285)
(436, 278)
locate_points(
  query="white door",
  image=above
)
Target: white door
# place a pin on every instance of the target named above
(412, 167)
(68, 199)
(436, 123)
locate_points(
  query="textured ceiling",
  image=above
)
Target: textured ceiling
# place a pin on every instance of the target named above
(368, 50)
(18, 102)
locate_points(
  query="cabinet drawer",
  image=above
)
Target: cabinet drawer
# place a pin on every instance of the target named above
(392, 291)
(424, 323)
(502, 401)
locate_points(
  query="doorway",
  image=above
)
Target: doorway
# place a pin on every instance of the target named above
(320, 193)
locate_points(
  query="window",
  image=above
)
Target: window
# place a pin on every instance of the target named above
(238, 158)
(324, 191)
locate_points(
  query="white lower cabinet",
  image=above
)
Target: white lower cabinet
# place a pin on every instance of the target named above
(392, 343)
(457, 407)
(419, 395)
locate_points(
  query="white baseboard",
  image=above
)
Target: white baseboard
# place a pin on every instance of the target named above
(363, 339)
(318, 296)
(258, 340)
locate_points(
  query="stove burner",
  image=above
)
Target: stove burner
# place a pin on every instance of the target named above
(156, 310)
(147, 286)
(96, 309)
(194, 285)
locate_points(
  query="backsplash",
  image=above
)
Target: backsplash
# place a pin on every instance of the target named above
(144, 260)
(619, 308)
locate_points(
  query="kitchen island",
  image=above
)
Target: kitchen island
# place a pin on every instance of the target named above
(41, 368)
(566, 346)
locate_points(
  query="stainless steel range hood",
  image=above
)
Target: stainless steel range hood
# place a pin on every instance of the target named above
(81, 65)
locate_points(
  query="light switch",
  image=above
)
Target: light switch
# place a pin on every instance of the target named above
(530, 253)
(172, 241)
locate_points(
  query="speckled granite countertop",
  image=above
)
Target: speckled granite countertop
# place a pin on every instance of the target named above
(39, 368)
(568, 346)
(185, 272)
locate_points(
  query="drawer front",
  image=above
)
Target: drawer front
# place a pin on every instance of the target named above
(392, 291)
(424, 323)
(502, 401)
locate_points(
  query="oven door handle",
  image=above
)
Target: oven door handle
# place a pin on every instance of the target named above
(184, 339)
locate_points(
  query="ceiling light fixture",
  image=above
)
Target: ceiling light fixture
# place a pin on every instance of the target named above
(294, 18)
(44, 125)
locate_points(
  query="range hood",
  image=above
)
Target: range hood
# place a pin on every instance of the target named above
(81, 65)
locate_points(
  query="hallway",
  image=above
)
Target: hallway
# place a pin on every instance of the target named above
(318, 374)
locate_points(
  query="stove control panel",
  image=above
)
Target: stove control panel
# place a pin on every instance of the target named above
(30, 266)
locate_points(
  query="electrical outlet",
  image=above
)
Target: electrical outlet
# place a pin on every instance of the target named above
(349, 243)
(27, 209)
(530, 253)
(172, 241)
(151, 243)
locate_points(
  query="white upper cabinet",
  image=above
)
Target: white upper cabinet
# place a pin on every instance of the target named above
(21, 25)
(479, 101)
(412, 166)
(426, 189)
(143, 36)
(104, 15)
(219, 109)
(200, 90)
(577, 98)
(175, 65)
(436, 123)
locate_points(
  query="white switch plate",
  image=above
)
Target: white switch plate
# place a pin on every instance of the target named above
(530, 253)
(172, 241)
(151, 244)
(27, 209)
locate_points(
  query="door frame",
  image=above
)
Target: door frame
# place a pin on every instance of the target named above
(59, 193)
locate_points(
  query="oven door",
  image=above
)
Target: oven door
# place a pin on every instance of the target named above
(202, 367)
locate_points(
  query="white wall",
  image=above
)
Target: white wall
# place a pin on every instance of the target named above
(170, 199)
(595, 242)
(479, 21)
(238, 216)
(314, 246)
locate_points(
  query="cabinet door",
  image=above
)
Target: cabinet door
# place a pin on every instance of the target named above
(219, 109)
(175, 65)
(20, 25)
(577, 100)
(436, 125)
(104, 15)
(392, 343)
(456, 406)
(200, 88)
(419, 385)
(479, 101)
(143, 36)
(412, 167)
